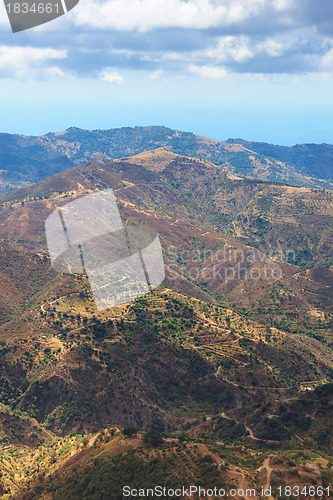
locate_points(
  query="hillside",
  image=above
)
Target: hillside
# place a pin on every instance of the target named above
(308, 415)
(25, 160)
(216, 232)
(177, 462)
(209, 341)
(315, 160)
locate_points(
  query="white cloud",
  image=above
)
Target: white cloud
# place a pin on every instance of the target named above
(27, 62)
(157, 74)
(327, 61)
(144, 15)
(281, 5)
(230, 48)
(273, 48)
(210, 72)
(54, 71)
(174, 56)
(111, 77)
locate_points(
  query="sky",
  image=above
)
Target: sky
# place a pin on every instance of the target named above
(259, 70)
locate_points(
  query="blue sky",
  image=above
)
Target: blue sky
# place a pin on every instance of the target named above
(256, 69)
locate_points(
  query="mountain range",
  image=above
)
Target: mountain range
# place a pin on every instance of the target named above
(229, 361)
(26, 160)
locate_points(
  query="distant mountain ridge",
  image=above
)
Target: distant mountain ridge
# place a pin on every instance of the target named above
(310, 159)
(27, 160)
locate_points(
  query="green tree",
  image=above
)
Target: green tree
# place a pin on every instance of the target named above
(130, 430)
(153, 438)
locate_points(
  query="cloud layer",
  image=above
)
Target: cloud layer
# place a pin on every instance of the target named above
(203, 38)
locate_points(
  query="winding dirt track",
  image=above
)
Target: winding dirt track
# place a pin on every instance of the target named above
(266, 465)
